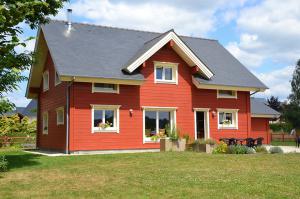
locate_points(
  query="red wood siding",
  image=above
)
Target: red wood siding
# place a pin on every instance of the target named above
(48, 101)
(185, 96)
(260, 128)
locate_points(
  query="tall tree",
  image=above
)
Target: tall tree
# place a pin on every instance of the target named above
(295, 84)
(274, 103)
(13, 13)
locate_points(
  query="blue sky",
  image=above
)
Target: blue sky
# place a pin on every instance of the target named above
(263, 35)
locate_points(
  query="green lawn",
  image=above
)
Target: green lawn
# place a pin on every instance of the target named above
(151, 175)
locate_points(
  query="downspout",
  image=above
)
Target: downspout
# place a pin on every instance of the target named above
(67, 115)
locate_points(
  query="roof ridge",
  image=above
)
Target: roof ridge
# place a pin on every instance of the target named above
(162, 34)
(130, 29)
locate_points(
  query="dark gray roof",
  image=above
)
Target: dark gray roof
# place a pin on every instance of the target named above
(99, 51)
(31, 108)
(259, 106)
(18, 110)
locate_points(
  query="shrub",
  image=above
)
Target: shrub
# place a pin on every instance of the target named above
(250, 150)
(281, 127)
(261, 149)
(3, 164)
(221, 148)
(275, 149)
(173, 133)
(237, 149)
(210, 141)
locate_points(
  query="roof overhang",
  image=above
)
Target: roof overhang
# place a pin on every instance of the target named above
(37, 67)
(180, 48)
(101, 80)
(265, 116)
(224, 87)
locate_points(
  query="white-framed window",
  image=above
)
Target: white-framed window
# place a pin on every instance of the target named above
(57, 79)
(45, 122)
(105, 118)
(105, 88)
(227, 118)
(226, 94)
(46, 80)
(156, 122)
(165, 72)
(60, 116)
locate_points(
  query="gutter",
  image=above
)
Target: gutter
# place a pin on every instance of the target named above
(67, 115)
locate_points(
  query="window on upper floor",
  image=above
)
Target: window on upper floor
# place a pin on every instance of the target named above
(165, 72)
(105, 88)
(45, 81)
(226, 94)
(60, 116)
(45, 123)
(57, 79)
(227, 118)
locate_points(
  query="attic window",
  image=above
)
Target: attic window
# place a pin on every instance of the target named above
(105, 88)
(57, 79)
(226, 94)
(165, 72)
(46, 81)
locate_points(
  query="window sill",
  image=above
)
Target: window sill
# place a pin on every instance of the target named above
(105, 131)
(114, 92)
(228, 127)
(227, 97)
(165, 82)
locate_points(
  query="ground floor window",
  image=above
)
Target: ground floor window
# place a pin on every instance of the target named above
(227, 118)
(156, 122)
(105, 118)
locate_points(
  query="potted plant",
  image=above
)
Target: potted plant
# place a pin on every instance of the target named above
(173, 142)
(202, 145)
(103, 126)
(209, 145)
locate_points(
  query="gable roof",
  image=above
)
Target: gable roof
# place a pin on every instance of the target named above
(259, 108)
(31, 109)
(152, 46)
(92, 51)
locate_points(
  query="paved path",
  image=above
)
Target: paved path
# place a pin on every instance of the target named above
(287, 149)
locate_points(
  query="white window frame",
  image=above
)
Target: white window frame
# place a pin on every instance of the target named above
(157, 109)
(57, 81)
(116, 109)
(46, 73)
(45, 132)
(164, 65)
(99, 90)
(235, 120)
(63, 117)
(227, 96)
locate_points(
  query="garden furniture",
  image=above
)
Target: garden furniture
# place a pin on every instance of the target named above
(250, 142)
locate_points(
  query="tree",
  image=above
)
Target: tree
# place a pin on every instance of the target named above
(12, 15)
(291, 113)
(274, 103)
(295, 84)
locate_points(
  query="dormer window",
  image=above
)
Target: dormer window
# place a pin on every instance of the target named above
(105, 88)
(165, 72)
(226, 94)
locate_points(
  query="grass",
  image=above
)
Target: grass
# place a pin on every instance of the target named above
(286, 143)
(151, 175)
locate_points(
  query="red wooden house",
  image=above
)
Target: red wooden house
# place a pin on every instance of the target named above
(103, 88)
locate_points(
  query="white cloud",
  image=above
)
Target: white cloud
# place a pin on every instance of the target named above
(186, 17)
(278, 81)
(270, 30)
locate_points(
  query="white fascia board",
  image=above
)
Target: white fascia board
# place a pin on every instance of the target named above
(170, 36)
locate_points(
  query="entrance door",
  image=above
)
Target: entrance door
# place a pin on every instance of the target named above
(200, 125)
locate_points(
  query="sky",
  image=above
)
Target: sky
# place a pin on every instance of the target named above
(263, 35)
